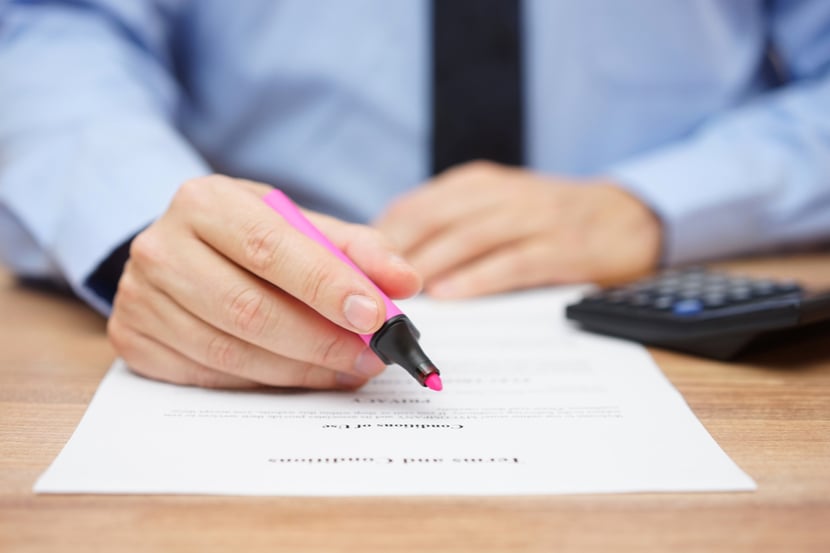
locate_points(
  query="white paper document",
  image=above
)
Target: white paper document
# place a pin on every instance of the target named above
(530, 405)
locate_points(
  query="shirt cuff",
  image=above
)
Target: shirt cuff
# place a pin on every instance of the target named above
(98, 188)
(103, 282)
(710, 205)
(121, 197)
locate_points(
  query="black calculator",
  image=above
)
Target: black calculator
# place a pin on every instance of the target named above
(700, 311)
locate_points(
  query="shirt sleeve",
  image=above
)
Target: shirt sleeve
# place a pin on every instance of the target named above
(758, 177)
(89, 152)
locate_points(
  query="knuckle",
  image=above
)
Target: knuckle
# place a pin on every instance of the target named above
(333, 353)
(372, 236)
(479, 167)
(114, 332)
(128, 291)
(249, 311)
(362, 235)
(147, 250)
(191, 187)
(193, 190)
(189, 193)
(214, 179)
(399, 209)
(261, 245)
(308, 376)
(304, 375)
(520, 262)
(224, 353)
(121, 339)
(201, 377)
(316, 280)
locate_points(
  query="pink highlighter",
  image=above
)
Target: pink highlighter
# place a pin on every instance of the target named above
(397, 340)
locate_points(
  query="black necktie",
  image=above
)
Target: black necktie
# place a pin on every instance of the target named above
(477, 82)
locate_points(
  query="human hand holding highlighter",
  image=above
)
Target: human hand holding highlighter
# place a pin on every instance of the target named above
(394, 342)
(221, 292)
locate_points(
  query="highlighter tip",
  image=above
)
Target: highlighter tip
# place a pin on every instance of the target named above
(433, 382)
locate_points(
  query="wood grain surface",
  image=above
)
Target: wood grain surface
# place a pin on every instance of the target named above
(770, 412)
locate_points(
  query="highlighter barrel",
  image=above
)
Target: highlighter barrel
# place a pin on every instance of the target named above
(397, 340)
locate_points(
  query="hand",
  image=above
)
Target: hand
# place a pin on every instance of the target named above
(483, 228)
(221, 292)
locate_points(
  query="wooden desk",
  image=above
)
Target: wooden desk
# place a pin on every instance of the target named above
(771, 414)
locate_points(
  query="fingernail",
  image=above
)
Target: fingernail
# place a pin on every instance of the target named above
(368, 364)
(361, 312)
(349, 381)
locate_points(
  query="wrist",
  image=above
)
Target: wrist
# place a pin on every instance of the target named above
(641, 225)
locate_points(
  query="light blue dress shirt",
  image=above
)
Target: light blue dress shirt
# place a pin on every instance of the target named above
(107, 106)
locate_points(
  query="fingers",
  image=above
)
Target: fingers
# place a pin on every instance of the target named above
(152, 359)
(455, 194)
(221, 291)
(482, 228)
(468, 239)
(516, 266)
(255, 317)
(245, 230)
(374, 254)
(164, 326)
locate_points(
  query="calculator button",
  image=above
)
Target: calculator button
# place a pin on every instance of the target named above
(740, 293)
(714, 300)
(740, 281)
(642, 285)
(616, 296)
(663, 302)
(763, 287)
(715, 288)
(694, 278)
(663, 290)
(639, 299)
(692, 287)
(788, 286)
(688, 307)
